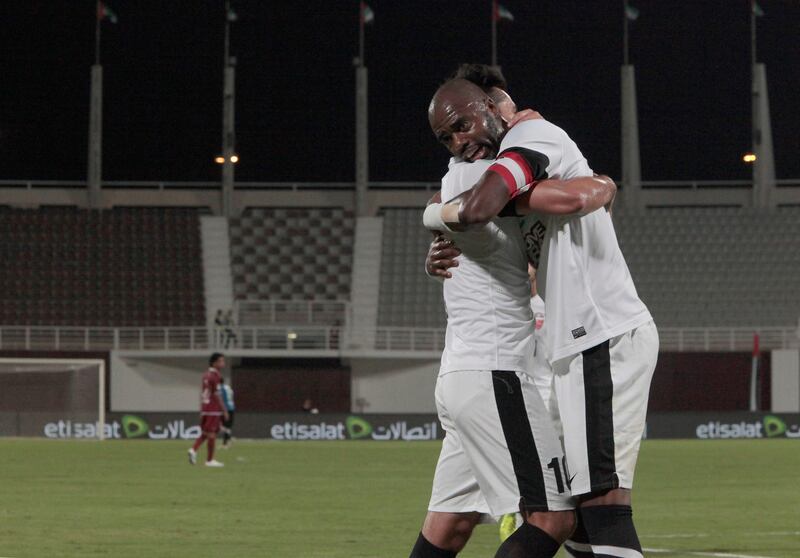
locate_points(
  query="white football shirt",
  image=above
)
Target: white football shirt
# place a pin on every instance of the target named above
(582, 276)
(489, 320)
(540, 352)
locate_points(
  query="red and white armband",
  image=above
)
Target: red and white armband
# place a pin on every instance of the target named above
(520, 169)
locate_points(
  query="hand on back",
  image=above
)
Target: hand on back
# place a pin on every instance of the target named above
(441, 257)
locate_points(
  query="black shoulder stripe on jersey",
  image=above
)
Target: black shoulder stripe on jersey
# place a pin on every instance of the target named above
(509, 210)
(537, 161)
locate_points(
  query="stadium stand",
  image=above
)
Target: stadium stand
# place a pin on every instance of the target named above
(292, 253)
(408, 297)
(120, 267)
(693, 267)
(707, 267)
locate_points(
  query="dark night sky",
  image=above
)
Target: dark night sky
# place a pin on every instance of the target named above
(295, 84)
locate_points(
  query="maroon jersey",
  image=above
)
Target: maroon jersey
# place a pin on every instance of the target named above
(209, 400)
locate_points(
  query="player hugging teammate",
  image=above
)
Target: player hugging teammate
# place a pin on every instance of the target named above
(515, 175)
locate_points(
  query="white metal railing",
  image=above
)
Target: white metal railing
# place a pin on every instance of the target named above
(286, 338)
(291, 312)
(335, 339)
(409, 339)
(45, 338)
(727, 339)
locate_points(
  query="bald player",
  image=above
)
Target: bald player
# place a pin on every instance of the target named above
(603, 341)
(501, 453)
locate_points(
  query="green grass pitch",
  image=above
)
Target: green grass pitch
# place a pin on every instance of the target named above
(355, 499)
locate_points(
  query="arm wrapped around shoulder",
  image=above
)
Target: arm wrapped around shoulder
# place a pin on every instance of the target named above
(520, 168)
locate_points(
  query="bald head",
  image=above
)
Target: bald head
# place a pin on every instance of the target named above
(466, 120)
(457, 91)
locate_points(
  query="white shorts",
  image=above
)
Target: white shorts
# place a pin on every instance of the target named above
(602, 398)
(500, 452)
(542, 375)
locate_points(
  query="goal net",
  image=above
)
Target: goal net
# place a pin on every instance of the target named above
(55, 398)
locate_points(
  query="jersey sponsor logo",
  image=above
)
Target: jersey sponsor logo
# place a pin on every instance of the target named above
(578, 332)
(534, 236)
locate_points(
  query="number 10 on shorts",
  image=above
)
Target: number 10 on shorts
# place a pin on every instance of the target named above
(559, 466)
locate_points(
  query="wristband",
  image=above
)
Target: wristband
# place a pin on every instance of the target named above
(435, 215)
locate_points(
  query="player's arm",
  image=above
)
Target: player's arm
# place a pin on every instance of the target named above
(514, 171)
(577, 196)
(442, 252)
(435, 199)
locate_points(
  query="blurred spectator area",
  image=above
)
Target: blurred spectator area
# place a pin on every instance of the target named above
(119, 267)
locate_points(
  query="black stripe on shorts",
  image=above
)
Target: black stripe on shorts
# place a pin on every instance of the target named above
(599, 393)
(519, 439)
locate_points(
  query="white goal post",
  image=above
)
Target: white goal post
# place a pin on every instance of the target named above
(70, 364)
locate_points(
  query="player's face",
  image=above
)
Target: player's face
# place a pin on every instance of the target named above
(470, 130)
(219, 364)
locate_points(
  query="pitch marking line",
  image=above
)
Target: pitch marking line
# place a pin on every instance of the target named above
(710, 554)
(702, 535)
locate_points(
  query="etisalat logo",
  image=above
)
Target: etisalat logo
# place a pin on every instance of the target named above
(353, 428)
(769, 426)
(129, 426)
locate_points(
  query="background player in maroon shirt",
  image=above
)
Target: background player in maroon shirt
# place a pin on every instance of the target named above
(212, 410)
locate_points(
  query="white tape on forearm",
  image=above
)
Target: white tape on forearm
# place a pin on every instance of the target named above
(432, 218)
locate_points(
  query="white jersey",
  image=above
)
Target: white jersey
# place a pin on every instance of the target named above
(582, 275)
(489, 320)
(540, 352)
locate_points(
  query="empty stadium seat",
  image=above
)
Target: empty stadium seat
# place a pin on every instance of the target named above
(715, 267)
(408, 297)
(693, 267)
(120, 267)
(292, 253)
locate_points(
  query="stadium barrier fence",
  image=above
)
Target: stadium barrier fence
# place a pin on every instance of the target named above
(291, 312)
(339, 341)
(365, 426)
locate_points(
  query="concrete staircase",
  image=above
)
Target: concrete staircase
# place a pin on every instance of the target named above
(216, 266)
(366, 279)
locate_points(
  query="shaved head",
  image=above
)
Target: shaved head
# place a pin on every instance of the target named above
(466, 120)
(458, 91)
